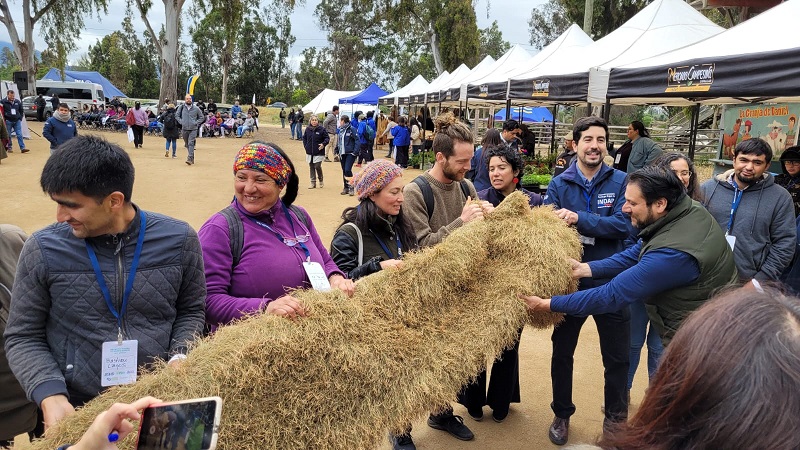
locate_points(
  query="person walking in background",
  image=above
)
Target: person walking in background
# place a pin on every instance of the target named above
(189, 119)
(171, 131)
(330, 125)
(392, 122)
(282, 116)
(12, 113)
(365, 135)
(298, 123)
(60, 128)
(55, 101)
(315, 139)
(347, 135)
(140, 123)
(254, 113)
(41, 105)
(401, 139)
(643, 150)
(292, 117)
(416, 136)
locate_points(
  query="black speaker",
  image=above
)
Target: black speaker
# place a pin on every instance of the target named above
(21, 80)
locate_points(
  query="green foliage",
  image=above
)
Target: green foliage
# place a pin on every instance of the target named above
(548, 21)
(492, 42)
(459, 37)
(536, 179)
(300, 97)
(312, 77)
(8, 64)
(416, 160)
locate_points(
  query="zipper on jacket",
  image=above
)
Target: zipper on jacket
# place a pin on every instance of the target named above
(119, 254)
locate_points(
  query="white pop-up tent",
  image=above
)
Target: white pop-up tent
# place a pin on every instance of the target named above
(325, 101)
(451, 92)
(434, 93)
(757, 60)
(417, 97)
(662, 26)
(490, 88)
(400, 96)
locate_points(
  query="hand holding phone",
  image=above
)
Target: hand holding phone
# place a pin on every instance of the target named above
(184, 425)
(114, 420)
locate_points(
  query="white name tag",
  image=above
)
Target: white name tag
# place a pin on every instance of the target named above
(619, 156)
(586, 240)
(316, 275)
(13, 111)
(119, 363)
(731, 240)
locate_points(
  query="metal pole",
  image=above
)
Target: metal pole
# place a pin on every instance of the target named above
(553, 130)
(508, 109)
(693, 131)
(607, 110)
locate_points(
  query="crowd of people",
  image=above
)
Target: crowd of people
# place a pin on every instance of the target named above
(657, 247)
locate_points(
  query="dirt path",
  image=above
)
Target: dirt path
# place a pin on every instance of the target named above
(193, 193)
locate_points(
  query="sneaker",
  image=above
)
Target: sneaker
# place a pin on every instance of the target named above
(166, 154)
(452, 424)
(559, 431)
(499, 417)
(174, 156)
(336, 159)
(327, 160)
(345, 191)
(321, 184)
(189, 162)
(475, 413)
(24, 150)
(313, 186)
(402, 442)
(352, 191)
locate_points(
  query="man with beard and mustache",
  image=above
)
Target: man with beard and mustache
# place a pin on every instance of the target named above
(680, 260)
(436, 203)
(589, 196)
(756, 214)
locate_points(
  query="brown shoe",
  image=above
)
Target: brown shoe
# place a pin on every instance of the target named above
(559, 431)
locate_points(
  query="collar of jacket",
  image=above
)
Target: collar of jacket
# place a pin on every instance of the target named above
(113, 240)
(674, 214)
(766, 180)
(571, 174)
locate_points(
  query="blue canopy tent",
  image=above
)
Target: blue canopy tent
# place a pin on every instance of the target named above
(109, 90)
(368, 96)
(526, 114)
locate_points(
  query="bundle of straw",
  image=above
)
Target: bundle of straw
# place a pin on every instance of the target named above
(356, 368)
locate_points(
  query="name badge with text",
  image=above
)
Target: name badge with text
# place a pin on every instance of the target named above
(119, 362)
(316, 275)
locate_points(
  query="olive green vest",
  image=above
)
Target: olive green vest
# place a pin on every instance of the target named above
(689, 228)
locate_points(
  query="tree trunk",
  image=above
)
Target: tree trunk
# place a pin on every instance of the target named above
(169, 51)
(23, 49)
(437, 57)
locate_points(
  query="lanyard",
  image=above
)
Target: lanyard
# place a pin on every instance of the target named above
(297, 241)
(588, 198)
(129, 284)
(737, 198)
(386, 249)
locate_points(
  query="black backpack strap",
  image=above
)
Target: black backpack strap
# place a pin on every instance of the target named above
(236, 233)
(427, 193)
(300, 216)
(465, 189)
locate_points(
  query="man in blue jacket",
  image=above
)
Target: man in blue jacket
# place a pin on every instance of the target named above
(60, 128)
(12, 114)
(589, 196)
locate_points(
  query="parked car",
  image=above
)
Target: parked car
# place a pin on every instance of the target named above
(277, 105)
(29, 107)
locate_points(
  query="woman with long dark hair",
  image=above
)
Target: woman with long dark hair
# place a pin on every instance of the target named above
(683, 168)
(479, 170)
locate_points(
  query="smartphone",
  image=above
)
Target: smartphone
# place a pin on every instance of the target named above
(184, 425)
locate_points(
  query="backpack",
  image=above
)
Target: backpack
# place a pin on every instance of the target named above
(170, 121)
(236, 229)
(427, 192)
(369, 132)
(129, 119)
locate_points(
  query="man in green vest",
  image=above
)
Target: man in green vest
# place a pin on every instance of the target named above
(679, 262)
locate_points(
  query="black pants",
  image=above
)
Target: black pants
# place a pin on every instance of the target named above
(316, 172)
(365, 153)
(138, 134)
(347, 160)
(615, 336)
(503, 385)
(40, 114)
(401, 155)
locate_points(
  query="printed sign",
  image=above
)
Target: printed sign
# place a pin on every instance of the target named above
(605, 200)
(776, 124)
(695, 78)
(541, 88)
(484, 88)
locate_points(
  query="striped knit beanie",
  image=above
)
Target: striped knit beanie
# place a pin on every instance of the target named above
(263, 158)
(374, 177)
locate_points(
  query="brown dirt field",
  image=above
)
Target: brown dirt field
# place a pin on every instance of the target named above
(193, 193)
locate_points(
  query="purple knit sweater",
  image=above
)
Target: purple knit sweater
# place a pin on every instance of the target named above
(267, 268)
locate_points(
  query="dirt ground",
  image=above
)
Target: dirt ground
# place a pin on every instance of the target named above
(193, 193)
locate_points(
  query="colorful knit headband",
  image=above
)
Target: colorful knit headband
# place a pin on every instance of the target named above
(263, 158)
(374, 177)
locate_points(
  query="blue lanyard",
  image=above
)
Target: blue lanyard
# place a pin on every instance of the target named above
(279, 236)
(588, 198)
(386, 249)
(129, 284)
(737, 198)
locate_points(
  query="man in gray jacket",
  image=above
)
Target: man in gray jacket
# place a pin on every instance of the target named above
(190, 117)
(103, 292)
(330, 124)
(756, 214)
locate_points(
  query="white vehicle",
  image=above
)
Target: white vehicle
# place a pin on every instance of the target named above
(73, 93)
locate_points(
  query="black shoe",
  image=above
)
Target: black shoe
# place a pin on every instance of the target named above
(24, 150)
(345, 191)
(452, 424)
(402, 442)
(559, 431)
(476, 413)
(499, 416)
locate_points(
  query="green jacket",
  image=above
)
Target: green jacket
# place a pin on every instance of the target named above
(689, 228)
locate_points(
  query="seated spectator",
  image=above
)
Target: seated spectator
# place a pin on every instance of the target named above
(248, 125)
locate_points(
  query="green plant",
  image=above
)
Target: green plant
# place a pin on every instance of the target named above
(536, 179)
(415, 160)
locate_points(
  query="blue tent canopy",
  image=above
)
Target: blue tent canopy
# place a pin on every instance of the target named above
(527, 114)
(368, 96)
(109, 90)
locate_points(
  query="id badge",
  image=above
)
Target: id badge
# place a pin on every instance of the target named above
(731, 240)
(619, 156)
(316, 275)
(586, 240)
(119, 362)
(13, 111)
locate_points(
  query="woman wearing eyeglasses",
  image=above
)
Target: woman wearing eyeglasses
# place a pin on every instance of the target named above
(262, 246)
(683, 168)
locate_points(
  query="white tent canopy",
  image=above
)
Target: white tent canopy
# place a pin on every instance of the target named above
(497, 72)
(573, 38)
(418, 84)
(479, 71)
(324, 102)
(661, 27)
(435, 87)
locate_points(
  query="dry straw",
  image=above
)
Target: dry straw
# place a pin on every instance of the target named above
(355, 368)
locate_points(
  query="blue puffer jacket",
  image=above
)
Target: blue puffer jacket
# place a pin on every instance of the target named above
(599, 211)
(347, 137)
(402, 136)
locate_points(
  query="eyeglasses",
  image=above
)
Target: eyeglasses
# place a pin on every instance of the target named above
(792, 163)
(683, 173)
(297, 240)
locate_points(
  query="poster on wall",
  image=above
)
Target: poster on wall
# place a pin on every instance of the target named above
(776, 124)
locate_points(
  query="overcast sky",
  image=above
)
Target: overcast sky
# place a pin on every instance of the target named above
(511, 15)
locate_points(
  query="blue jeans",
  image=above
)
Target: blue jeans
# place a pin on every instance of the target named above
(347, 160)
(16, 127)
(283, 123)
(291, 129)
(640, 334)
(174, 143)
(299, 129)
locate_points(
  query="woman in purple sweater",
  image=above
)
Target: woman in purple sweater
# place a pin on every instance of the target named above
(280, 244)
